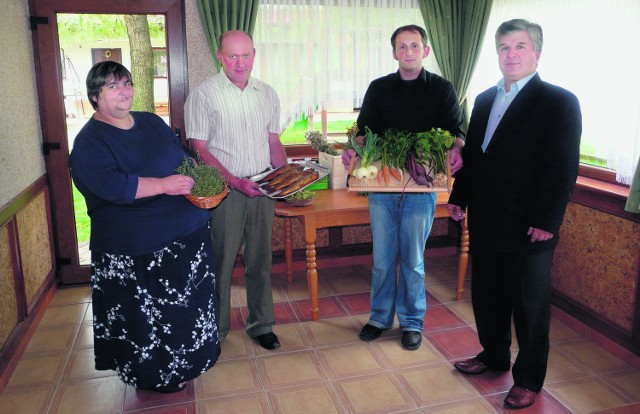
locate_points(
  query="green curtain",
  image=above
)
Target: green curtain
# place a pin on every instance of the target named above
(633, 201)
(456, 31)
(219, 16)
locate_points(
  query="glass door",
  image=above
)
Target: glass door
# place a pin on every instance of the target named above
(63, 58)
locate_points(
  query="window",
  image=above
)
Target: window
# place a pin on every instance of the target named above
(587, 50)
(322, 55)
(159, 62)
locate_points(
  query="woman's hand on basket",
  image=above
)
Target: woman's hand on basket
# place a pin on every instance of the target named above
(177, 184)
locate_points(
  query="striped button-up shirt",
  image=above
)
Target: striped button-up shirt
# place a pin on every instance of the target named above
(236, 123)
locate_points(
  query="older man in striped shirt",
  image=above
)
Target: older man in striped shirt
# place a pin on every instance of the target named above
(233, 121)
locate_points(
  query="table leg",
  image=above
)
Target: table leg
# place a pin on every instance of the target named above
(463, 259)
(312, 280)
(288, 248)
(309, 224)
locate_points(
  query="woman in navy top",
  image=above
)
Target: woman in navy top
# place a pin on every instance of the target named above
(154, 300)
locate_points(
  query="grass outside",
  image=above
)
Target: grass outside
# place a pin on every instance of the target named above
(83, 223)
(294, 134)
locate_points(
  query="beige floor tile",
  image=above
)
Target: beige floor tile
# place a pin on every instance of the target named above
(76, 294)
(292, 337)
(294, 368)
(445, 291)
(627, 382)
(33, 400)
(299, 290)
(228, 378)
(38, 369)
(333, 331)
(81, 366)
(88, 315)
(441, 274)
(84, 339)
(316, 399)
(561, 368)
(560, 332)
(380, 393)
(95, 396)
(64, 315)
(463, 309)
(585, 395)
(52, 338)
(350, 284)
(349, 360)
(393, 356)
(254, 403)
(436, 384)
(472, 406)
(236, 345)
(593, 357)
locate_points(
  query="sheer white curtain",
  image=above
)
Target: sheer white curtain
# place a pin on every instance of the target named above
(591, 48)
(322, 53)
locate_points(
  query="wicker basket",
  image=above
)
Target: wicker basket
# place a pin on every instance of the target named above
(208, 202)
(300, 203)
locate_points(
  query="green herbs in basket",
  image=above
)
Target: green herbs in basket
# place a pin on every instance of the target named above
(208, 179)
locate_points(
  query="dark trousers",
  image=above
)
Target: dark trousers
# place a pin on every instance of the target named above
(247, 221)
(513, 284)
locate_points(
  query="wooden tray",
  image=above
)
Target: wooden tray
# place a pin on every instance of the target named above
(407, 184)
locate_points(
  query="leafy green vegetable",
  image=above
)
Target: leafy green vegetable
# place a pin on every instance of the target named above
(369, 152)
(208, 179)
(431, 148)
(302, 195)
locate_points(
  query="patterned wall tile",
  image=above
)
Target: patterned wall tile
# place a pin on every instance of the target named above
(35, 248)
(8, 302)
(597, 263)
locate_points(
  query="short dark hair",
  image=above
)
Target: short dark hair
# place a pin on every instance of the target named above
(517, 25)
(100, 74)
(408, 28)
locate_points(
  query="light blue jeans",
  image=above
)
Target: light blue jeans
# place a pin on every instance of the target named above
(400, 225)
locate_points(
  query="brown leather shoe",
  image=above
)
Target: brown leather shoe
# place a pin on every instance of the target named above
(471, 366)
(519, 397)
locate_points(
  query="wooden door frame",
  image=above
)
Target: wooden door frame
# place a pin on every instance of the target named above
(52, 111)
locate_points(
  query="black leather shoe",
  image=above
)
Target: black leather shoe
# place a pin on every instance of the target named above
(370, 332)
(268, 341)
(411, 340)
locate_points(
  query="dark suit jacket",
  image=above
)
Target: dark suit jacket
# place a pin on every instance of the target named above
(526, 176)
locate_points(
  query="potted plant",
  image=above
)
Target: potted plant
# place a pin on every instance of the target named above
(329, 157)
(209, 188)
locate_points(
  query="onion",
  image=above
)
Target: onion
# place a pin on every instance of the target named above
(362, 172)
(373, 171)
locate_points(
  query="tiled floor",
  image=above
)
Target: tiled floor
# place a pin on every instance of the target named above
(322, 366)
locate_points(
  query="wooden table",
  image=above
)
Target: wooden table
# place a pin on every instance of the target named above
(335, 208)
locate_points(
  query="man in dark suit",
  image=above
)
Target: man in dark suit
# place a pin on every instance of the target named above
(520, 165)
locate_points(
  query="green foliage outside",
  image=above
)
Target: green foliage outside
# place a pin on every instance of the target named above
(295, 133)
(92, 27)
(83, 224)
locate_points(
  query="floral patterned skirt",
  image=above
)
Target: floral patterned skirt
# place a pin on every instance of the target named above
(154, 315)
